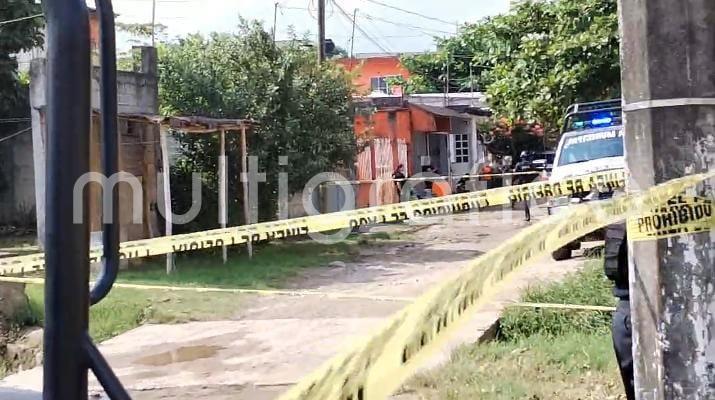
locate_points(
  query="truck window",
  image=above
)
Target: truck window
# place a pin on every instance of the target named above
(591, 146)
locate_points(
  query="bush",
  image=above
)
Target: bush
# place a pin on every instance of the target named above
(588, 287)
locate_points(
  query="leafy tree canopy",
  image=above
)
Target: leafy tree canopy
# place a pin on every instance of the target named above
(532, 62)
(301, 108)
(142, 30)
(17, 33)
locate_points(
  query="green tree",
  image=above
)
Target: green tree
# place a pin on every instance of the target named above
(19, 31)
(532, 62)
(140, 33)
(142, 30)
(301, 108)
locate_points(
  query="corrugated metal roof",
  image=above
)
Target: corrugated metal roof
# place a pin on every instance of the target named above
(441, 111)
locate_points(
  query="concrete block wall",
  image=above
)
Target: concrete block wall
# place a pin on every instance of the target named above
(17, 180)
(137, 93)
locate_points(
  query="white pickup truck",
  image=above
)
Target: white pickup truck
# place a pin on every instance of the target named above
(591, 142)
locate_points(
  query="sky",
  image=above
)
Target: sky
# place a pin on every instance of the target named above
(388, 29)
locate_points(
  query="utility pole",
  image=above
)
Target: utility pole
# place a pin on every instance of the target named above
(446, 83)
(321, 30)
(153, 22)
(275, 20)
(352, 39)
(667, 54)
(471, 78)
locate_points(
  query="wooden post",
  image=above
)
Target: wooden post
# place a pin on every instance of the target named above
(222, 194)
(170, 267)
(149, 183)
(244, 180)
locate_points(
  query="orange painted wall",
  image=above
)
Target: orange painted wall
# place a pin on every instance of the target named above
(389, 124)
(94, 29)
(374, 67)
(422, 121)
(393, 124)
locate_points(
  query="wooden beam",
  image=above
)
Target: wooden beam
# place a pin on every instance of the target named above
(244, 180)
(222, 189)
(170, 266)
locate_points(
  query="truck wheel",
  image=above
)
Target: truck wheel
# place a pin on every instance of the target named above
(563, 253)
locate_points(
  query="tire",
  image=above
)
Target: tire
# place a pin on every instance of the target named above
(561, 254)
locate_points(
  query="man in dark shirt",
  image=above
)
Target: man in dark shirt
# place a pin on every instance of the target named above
(616, 269)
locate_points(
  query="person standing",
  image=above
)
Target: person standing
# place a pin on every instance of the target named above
(399, 179)
(616, 269)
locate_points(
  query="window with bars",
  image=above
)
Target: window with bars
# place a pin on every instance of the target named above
(461, 147)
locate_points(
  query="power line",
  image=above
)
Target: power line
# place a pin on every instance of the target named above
(10, 21)
(410, 12)
(293, 8)
(348, 37)
(413, 27)
(365, 34)
(15, 134)
(13, 120)
(385, 36)
(380, 35)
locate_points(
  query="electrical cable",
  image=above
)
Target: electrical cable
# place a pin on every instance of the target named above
(410, 12)
(381, 36)
(13, 120)
(345, 27)
(15, 134)
(312, 8)
(412, 27)
(10, 21)
(365, 34)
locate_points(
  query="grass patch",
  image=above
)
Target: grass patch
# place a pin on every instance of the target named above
(272, 265)
(573, 366)
(540, 355)
(588, 287)
(126, 309)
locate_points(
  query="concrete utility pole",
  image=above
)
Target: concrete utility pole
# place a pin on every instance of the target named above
(321, 30)
(275, 20)
(153, 23)
(667, 52)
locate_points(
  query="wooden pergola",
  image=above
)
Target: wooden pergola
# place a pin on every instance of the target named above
(201, 126)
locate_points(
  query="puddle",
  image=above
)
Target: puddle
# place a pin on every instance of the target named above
(182, 354)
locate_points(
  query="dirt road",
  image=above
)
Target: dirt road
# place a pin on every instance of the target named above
(273, 341)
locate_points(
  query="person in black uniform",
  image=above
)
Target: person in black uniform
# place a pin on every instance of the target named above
(399, 180)
(616, 269)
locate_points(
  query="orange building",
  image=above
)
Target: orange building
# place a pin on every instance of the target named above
(396, 133)
(373, 72)
(391, 132)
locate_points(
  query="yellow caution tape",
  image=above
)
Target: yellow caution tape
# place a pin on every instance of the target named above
(328, 222)
(376, 366)
(262, 292)
(680, 215)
